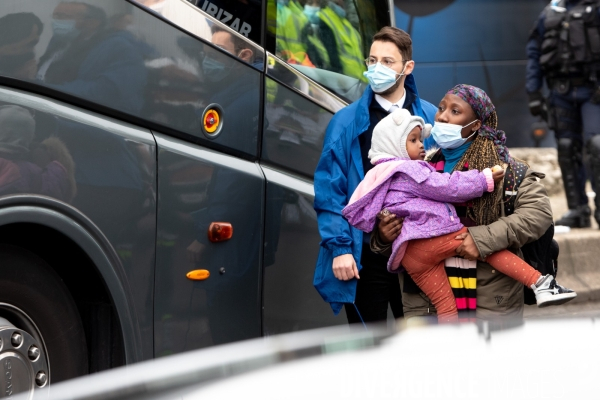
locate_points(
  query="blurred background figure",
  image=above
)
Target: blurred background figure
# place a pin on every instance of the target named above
(240, 89)
(48, 169)
(297, 41)
(19, 33)
(564, 48)
(89, 60)
(341, 39)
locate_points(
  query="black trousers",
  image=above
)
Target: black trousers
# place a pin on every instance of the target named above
(376, 289)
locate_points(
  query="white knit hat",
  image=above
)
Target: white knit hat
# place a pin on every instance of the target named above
(389, 135)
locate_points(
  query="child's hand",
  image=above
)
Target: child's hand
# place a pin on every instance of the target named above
(497, 174)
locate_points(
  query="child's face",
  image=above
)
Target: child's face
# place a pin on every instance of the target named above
(414, 146)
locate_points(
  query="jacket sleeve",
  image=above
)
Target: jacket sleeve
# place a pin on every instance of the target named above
(533, 77)
(457, 187)
(331, 194)
(531, 218)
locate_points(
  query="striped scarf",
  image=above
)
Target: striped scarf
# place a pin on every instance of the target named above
(462, 274)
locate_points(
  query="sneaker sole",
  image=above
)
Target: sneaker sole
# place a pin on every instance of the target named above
(556, 299)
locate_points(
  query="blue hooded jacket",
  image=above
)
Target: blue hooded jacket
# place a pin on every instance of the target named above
(338, 173)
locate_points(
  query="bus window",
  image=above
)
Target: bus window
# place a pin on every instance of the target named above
(321, 37)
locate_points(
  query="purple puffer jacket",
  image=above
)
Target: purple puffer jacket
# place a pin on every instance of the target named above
(415, 191)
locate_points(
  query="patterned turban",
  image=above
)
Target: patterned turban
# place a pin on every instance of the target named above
(486, 112)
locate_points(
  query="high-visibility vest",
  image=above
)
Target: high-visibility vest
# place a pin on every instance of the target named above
(348, 41)
(289, 44)
(311, 41)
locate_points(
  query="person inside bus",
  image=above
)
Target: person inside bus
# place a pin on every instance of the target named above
(233, 86)
(19, 34)
(344, 250)
(44, 168)
(86, 59)
(491, 227)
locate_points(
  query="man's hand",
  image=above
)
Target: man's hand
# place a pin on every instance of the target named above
(344, 267)
(467, 248)
(389, 227)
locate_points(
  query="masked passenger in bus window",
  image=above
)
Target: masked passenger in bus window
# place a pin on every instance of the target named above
(87, 58)
(235, 86)
(218, 66)
(19, 33)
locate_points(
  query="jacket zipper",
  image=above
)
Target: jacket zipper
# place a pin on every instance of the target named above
(449, 211)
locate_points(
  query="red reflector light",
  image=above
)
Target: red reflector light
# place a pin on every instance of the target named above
(220, 231)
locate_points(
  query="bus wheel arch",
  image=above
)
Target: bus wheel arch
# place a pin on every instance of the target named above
(91, 276)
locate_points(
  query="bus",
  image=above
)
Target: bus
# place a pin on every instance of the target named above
(156, 164)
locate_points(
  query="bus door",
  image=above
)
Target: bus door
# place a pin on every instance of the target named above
(210, 188)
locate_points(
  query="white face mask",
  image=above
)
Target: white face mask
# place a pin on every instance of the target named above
(449, 136)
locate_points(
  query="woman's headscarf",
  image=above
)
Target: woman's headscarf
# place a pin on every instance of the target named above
(486, 112)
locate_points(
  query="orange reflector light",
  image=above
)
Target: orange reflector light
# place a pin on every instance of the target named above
(220, 231)
(539, 132)
(211, 120)
(198, 274)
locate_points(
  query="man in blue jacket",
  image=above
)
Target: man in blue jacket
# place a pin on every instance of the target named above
(345, 251)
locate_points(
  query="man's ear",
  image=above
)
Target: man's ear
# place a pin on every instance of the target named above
(246, 55)
(409, 67)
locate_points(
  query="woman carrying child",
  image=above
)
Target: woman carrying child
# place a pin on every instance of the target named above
(411, 188)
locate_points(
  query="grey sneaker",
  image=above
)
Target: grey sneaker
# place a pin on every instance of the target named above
(549, 293)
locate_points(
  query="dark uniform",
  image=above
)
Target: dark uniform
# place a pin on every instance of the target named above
(564, 48)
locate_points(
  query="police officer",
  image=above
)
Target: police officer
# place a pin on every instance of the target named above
(564, 48)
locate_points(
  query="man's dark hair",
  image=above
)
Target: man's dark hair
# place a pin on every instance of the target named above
(18, 26)
(92, 12)
(96, 13)
(238, 43)
(397, 36)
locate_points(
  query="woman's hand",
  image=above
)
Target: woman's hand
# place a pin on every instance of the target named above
(467, 248)
(389, 226)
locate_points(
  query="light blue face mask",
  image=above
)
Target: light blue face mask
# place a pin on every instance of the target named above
(64, 28)
(337, 9)
(312, 13)
(448, 136)
(381, 77)
(215, 70)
